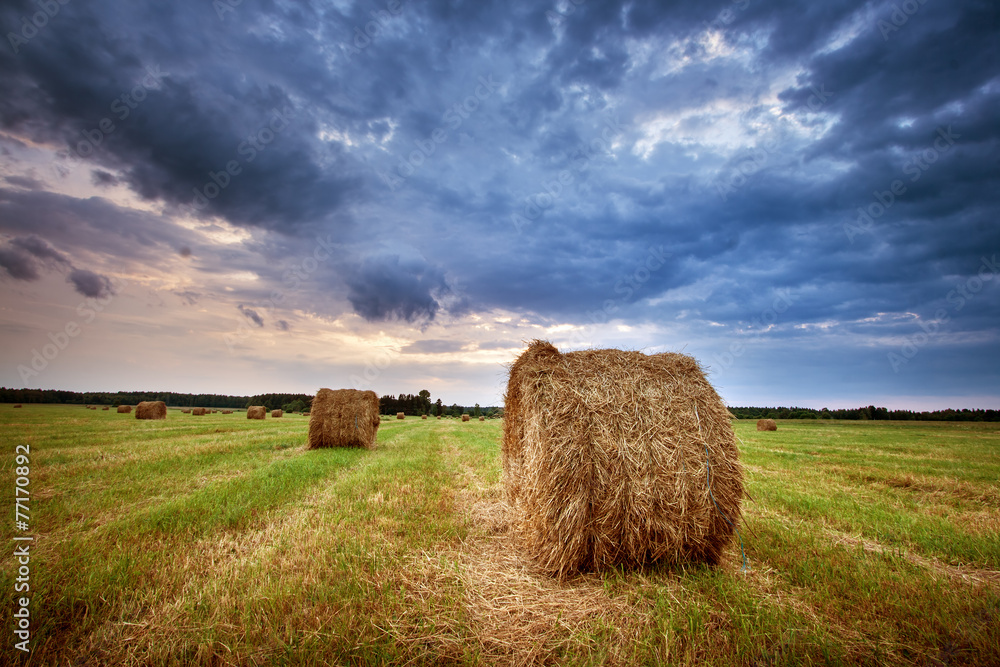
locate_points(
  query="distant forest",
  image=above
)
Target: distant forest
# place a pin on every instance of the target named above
(421, 404)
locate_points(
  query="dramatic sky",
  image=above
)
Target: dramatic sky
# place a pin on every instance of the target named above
(245, 196)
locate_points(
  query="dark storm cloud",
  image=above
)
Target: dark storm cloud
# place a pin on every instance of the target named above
(851, 119)
(251, 315)
(385, 287)
(25, 256)
(90, 284)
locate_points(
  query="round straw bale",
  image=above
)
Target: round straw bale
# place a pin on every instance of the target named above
(151, 410)
(256, 412)
(227, 412)
(17, 405)
(200, 412)
(276, 413)
(105, 408)
(423, 416)
(766, 425)
(400, 415)
(612, 457)
(439, 416)
(343, 418)
(124, 409)
(482, 419)
(466, 418)
(305, 414)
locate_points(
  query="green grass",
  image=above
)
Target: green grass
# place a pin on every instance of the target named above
(220, 540)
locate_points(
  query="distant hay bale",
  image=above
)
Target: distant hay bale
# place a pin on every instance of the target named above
(766, 425)
(106, 408)
(151, 410)
(423, 416)
(256, 412)
(343, 418)
(276, 413)
(613, 457)
(199, 412)
(439, 416)
(400, 415)
(482, 419)
(124, 409)
(305, 414)
(466, 418)
(17, 405)
(227, 412)
(186, 411)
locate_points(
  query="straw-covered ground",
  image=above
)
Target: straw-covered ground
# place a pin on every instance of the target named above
(221, 540)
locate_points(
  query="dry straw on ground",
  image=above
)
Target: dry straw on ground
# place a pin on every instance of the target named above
(466, 418)
(256, 412)
(151, 410)
(616, 457)
(124, 409)
(343, 418)
(766, 425)
(200, 412)
(400, 415)
(276, 413)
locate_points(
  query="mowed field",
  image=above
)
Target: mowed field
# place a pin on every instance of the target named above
(220, 541)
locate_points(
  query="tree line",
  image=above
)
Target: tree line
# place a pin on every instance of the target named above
(421, 404)
(870, 412)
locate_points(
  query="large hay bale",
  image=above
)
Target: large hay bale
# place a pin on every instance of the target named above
(466, 418)
(400, 415)
(199, 412)
(124, 409)
(482, 419)
(612, 457)
(256, 412)
(343, 418)
(423, 416)
(276, 413)
(766, 425)
(151, 410)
